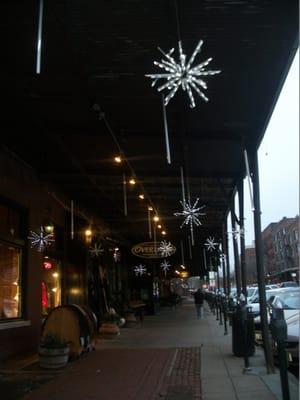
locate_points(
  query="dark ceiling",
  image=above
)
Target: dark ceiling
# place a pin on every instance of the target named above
(92, 100)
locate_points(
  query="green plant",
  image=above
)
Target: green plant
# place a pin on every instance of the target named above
(111, 317)
(51, 340)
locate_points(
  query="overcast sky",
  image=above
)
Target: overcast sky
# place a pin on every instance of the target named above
(279, 159)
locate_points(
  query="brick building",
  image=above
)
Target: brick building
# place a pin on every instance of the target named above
(281, 248)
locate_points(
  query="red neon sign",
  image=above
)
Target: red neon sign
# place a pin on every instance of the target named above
(47, 265)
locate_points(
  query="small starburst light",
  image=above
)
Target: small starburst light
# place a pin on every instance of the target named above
(140, 269)
(40, 239)
(236, 233)
(165, 265)
(190, 213)
(165, 248)
(211, 244)
(96, 250)
(182, 74)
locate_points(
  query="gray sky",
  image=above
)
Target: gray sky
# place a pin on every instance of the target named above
(278, 160)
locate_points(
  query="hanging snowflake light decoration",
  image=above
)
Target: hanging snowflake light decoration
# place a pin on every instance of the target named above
(190, 213)
(140, 269)
(165, 248)
(165, 266)
(117, 255)
(236, 233)
(222, 257)
(211, 244)
(182, 74)
(41, 239)
(96, 250)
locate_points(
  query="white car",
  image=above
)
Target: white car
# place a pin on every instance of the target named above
(289, 300)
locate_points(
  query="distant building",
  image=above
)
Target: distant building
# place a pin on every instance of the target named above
(250, 261)
(281, 245)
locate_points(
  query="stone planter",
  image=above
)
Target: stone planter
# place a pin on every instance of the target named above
(130, 319)
(109, 330)
(53, 358)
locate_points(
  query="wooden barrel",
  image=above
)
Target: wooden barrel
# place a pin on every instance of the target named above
(72, 324)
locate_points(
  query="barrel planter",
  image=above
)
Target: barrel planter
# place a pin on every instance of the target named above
(53, 358)
(109, 330)
(130, 319)
(74, 324)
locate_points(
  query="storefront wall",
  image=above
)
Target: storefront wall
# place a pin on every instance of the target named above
(20, 186)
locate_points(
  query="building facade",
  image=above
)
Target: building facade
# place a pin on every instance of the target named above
(281, 245)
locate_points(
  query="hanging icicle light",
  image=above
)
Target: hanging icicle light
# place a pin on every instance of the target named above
(182, 74)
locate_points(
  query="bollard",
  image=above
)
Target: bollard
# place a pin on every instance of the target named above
(278, 328)
(224, 305)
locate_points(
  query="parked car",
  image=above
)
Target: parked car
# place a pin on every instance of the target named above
(289, 300)
(289, 284)
(271, 286)
(254, 303)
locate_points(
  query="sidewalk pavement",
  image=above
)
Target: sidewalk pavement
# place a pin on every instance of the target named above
(169, 356)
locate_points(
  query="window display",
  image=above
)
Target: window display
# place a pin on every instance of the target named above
(10, 289)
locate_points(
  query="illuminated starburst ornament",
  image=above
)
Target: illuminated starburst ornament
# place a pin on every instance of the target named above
(236, 233)
(211, 244)
(140, 270)
(165, 248)
(40, 239)
(96, 250)
(165, 265)
(190, 213)
(182, 74)
(222, 257)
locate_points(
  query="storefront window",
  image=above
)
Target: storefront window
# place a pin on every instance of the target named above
(10, 289)
(51, 284)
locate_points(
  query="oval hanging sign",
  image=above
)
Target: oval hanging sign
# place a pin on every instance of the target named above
(150, 250)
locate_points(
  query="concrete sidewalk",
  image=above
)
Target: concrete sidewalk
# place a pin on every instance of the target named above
(169, 356)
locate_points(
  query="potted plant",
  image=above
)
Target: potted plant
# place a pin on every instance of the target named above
(53, 351)
(110, 324)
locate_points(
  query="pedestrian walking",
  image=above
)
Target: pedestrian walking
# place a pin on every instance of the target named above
(199, 299)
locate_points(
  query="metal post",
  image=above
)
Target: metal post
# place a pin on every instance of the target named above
(225, 286)
(260, 269)
(242, 239)
(235, 252)
(227, 257)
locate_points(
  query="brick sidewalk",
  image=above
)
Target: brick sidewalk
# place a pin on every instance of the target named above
(183, 380)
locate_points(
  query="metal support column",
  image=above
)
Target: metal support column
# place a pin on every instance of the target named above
(235, 252)
(260, 268)
(242, 239)
(226, 248)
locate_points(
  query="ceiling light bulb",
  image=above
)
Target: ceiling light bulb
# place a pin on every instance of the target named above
(141, 196)
(132, 181)
(159, 226)
(118, 159)
(150, 208)
(164, 233)
(155, 218)
(88, 232)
